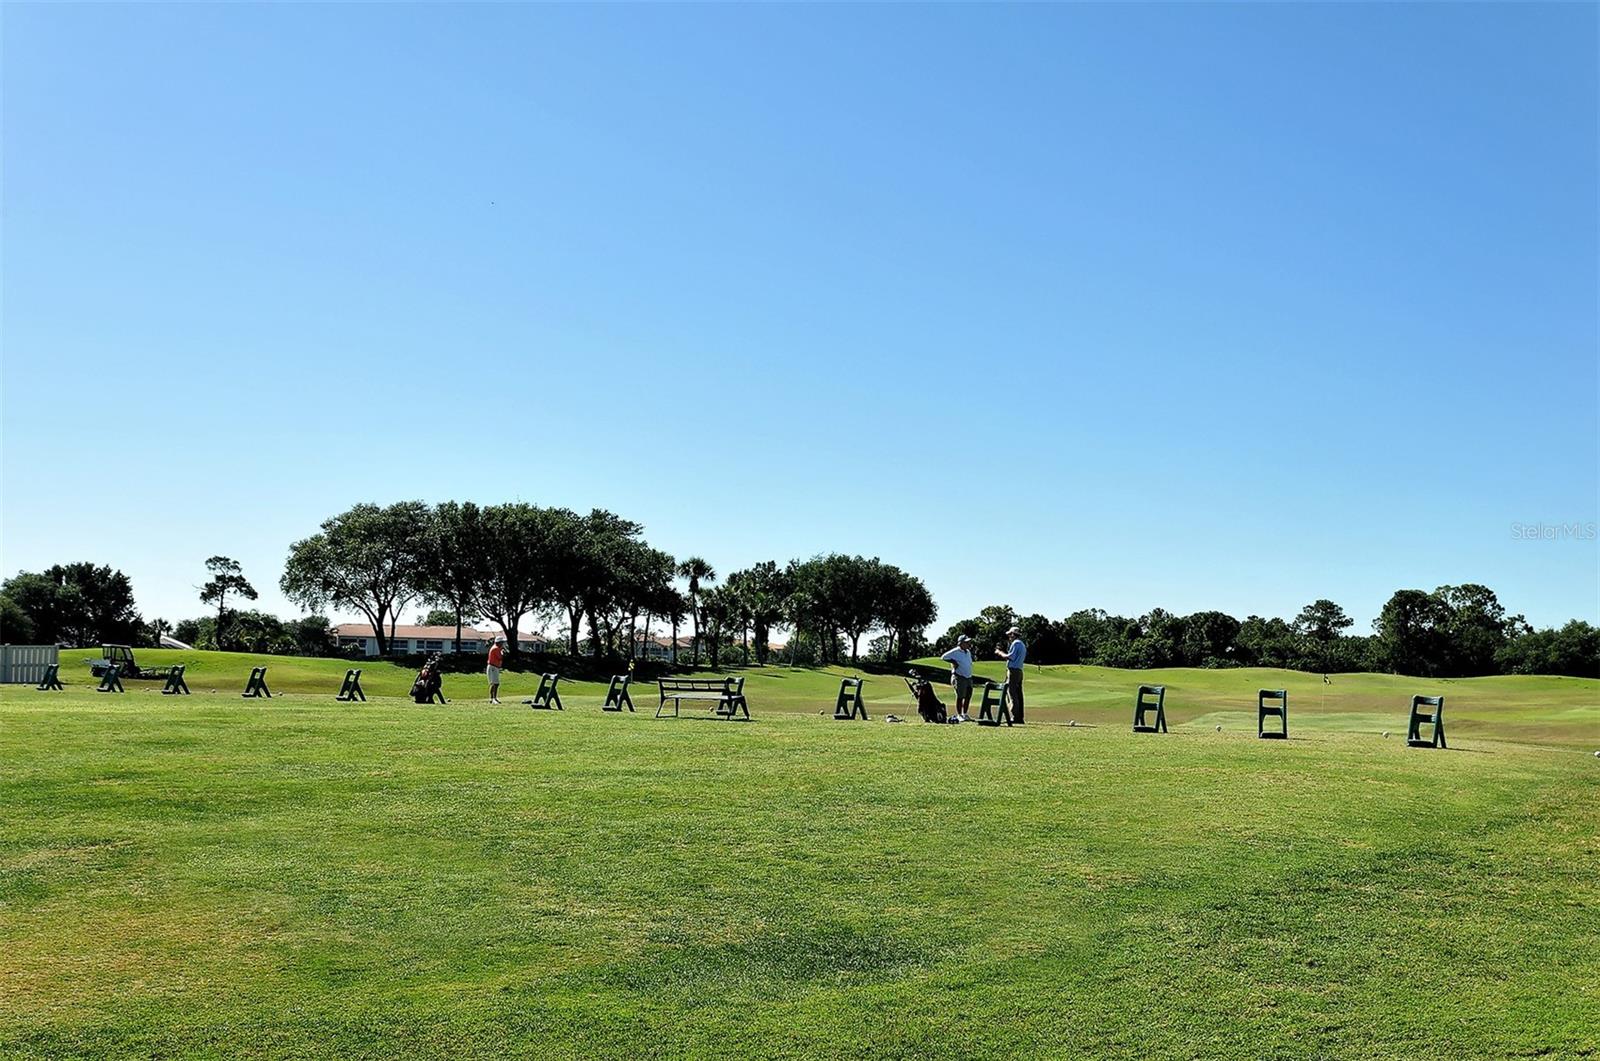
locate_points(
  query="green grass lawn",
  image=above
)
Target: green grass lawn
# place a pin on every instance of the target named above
(217, 877)
(1541, 710)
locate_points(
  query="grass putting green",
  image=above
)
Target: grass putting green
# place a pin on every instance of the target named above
(216, 877)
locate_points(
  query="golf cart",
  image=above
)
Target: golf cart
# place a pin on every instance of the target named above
(123, 654)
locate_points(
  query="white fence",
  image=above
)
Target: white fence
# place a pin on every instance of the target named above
(26, 663)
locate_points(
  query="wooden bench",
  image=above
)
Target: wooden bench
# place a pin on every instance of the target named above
(725, 694)
(51, 679)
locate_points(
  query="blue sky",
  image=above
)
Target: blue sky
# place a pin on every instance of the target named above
(1120, 306)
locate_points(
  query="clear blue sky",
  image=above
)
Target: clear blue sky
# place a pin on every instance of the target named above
(1121, 306)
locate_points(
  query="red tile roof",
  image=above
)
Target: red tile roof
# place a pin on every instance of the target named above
(436, 633)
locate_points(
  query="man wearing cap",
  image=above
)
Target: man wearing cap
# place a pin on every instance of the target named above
(960, 660)
(497, 656)
(1014, 657)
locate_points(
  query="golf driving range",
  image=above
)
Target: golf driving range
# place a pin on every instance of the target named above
(210, 875)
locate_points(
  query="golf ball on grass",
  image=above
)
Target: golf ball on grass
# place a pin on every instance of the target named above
(1219, 729)
(1385, 734)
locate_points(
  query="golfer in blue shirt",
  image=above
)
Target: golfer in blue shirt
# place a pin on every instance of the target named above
(1014, 656)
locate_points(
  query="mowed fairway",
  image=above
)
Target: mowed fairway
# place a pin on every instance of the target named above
(211, 876)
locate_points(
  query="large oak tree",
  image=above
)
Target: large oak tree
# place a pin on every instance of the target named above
(368, 559)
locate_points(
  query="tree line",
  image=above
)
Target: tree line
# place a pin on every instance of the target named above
(87, 604)
(509, 561)
(1454, 631)
(74, 604)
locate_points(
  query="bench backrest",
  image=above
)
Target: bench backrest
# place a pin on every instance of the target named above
(1280, 695)
(702, 685)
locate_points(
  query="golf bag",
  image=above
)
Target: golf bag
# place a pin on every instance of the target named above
(429, 683)
(928, 704)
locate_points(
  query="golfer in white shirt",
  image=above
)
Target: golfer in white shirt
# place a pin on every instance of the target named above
(960, 660)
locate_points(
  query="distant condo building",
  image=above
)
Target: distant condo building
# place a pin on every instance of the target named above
(411, 639)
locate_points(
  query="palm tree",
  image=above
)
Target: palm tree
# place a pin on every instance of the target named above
(672, 608)
(697, 571)
(798, 609)
(717, 607)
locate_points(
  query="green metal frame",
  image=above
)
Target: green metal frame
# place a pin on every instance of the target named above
(547, 698)
(1142, 705)
(257, 685)
(176, 686)
(849, 705)
(111, 680)
(350, 690)
(733, 700)
(51, 679)
(617, 695)
(1265, 710)
(995, 707)
(1434, 718)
